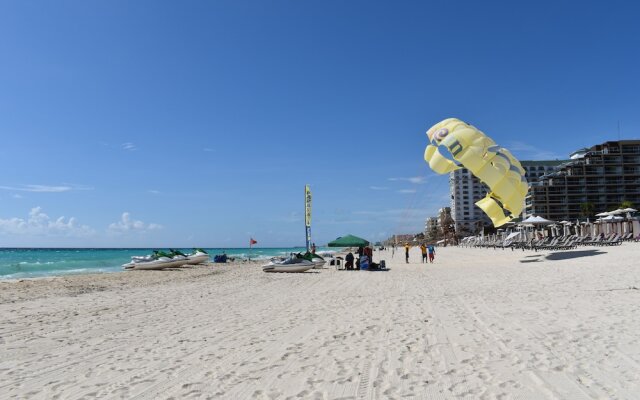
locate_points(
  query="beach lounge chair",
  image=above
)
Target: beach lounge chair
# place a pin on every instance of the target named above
(613, 241)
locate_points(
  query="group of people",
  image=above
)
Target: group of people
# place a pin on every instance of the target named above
(428, 252)
(365, 255)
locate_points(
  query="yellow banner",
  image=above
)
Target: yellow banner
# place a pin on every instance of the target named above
(307, 205)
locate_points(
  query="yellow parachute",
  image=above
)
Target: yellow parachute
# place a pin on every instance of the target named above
(492, 164)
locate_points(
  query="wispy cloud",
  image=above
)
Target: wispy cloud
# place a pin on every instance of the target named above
(129, 146)
(527, 151)
(16, 196)
(397, 215)
(128, 225)
(45, 188)
(154, 191)
(294, 216)
(40, 224)
(406, 191)
(378, 188)
(412, 179)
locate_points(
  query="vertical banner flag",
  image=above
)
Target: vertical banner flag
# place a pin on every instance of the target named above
(307, 206)
(307, 215)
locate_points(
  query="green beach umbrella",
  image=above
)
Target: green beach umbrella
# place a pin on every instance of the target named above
(348, 241)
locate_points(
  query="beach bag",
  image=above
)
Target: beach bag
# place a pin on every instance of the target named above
(383, 265)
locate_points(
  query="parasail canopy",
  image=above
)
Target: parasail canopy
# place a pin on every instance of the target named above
(492, 164)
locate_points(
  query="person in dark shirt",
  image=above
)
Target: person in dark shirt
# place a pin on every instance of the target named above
(349, 261)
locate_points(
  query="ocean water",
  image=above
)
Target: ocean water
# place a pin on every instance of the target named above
(34, 263)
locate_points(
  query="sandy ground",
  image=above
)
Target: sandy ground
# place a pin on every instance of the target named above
(477, 324)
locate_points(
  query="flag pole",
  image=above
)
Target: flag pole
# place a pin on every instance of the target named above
(252, 241)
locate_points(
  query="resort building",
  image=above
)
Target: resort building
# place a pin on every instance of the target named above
(431, 228)
(399, 240)
(466, 190)
(535, 170)
(593, 180)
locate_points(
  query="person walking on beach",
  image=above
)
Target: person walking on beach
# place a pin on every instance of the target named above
(406, 252)
(313, 248)
(423, 249)
(432, 253)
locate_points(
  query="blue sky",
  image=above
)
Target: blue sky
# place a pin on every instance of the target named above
(154, 123)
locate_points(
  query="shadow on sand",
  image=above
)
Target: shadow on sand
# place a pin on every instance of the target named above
(566, 255)
(532, 258)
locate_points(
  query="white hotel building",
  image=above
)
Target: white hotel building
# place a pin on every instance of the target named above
(466, 189)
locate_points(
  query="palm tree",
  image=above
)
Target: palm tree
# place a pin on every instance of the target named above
(446, 223)
(626, 204)
(586, 209)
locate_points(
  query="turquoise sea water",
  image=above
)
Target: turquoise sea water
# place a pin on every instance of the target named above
(34, 263)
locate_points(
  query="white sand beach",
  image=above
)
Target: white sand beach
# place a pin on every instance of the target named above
(477, 324)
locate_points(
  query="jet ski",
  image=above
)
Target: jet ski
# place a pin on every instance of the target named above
(292, 264)
(198, 256)
(318, 262)
(157, 260)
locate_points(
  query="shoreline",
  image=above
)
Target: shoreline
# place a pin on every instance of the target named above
(36, 263)
(51, 286)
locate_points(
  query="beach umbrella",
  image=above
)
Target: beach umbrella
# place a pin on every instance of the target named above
(535, 220)
(628, 211)
(348, 241)
(603, 214)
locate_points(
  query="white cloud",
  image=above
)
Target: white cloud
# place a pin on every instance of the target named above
(16, 196)
(528, 151)
(154, 191)
(129, 146)
(126, 225)
(412, 179)
(407, 191)
(378, 188)
(294, 216)
(398, 215)
(65, 187)
(38, 188)
(39, 224)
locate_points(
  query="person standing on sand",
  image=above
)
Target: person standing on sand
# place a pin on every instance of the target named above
(406, 252)
(369, 253)
(432, 253)
(423, 249)
(313, 248)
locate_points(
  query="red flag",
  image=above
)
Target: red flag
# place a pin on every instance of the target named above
(252, 242)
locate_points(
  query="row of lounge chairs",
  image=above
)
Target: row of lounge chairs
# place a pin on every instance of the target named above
(557, 243)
